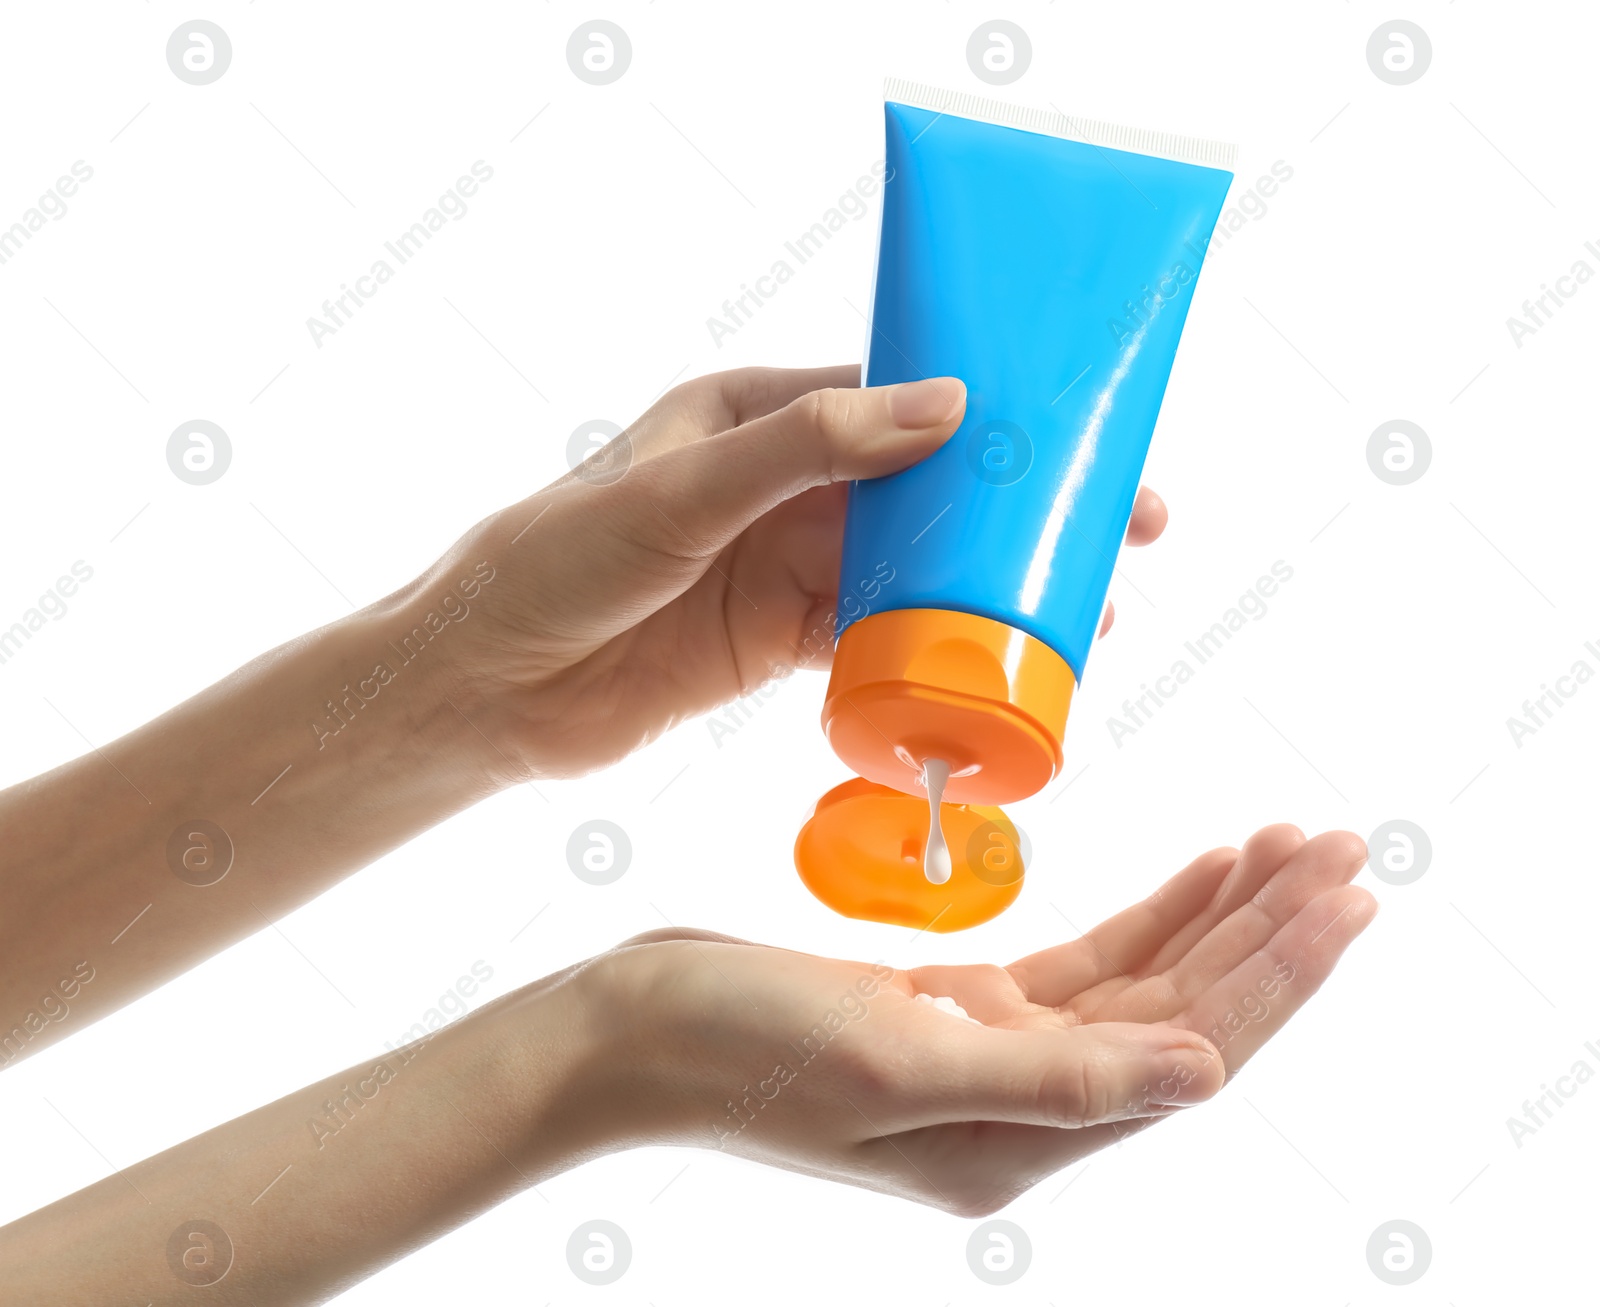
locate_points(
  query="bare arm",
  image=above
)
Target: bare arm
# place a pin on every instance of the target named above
(299, 1199)
(554, 638)
(131, 864)
(831, 1068)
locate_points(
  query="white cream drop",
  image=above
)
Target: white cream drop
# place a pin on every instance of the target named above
(936, 864)
(945, 1004)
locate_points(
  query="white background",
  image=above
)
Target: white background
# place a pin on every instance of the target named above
(1377, 686)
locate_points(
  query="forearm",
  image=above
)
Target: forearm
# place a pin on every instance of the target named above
(129, 865)
(321, 1188)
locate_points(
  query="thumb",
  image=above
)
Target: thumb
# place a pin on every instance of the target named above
(1088, 1075)
(693, 501)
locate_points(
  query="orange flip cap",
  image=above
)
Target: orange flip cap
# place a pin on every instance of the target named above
(914, 684)
(861, 850)
(919, 683)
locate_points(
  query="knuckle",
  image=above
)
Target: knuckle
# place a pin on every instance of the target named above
(748, 386)
(972, 1204)
(689, 400)
(645, 937)
(701, 392)
(1089, 1092)
(831, 412)
(871, 1068)
(638, 532)
(637, 519)
(742, 392)
(988, 975)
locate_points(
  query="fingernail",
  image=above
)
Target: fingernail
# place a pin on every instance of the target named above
(1189, 1077)
(916, 405)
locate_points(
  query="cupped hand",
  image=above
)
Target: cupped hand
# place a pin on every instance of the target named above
(835, 1069)
(693, 559)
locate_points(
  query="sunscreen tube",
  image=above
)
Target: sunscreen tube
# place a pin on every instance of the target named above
(1049, 262)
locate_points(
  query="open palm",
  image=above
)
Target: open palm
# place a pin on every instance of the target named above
(1153, 1010)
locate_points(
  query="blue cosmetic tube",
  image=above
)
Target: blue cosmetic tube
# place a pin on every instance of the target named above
(1049, 262)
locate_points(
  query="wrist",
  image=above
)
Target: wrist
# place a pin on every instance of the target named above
(570, 1060)
(654, 1074)
(450, 626)
(417, 647)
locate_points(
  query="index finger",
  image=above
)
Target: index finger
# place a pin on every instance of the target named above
(709, 405)
(1054, 976)
(746, 394)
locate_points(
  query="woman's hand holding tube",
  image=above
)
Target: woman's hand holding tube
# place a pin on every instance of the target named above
(698, 558)
(693, 560)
